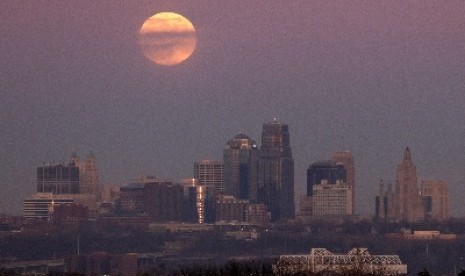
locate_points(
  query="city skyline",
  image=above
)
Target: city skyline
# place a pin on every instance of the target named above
(371, 78)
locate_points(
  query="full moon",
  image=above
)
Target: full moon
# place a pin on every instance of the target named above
(167, 38)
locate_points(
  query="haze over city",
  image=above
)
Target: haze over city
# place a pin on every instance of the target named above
(368, 77)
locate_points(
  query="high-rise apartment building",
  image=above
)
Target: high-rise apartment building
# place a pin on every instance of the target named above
(436, 200)
(408, 201)
(275, 187)
(240, 161)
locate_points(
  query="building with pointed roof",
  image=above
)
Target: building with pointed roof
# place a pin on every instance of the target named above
(408, 201)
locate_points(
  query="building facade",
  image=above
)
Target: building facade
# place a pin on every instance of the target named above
(345, 158)
(332, 200)
(58, 178)
(329, 171)
(132, 199)
(275, 170)
(229, 209)
(88, 176)
(210, 173)
(41, 205)
(403, 201)
(384, 205)
(76, 179)
(436, 200)
(195, 196)
(356, 261)
(240, 160)
(257, 214)
(408, 201)
(163, 201)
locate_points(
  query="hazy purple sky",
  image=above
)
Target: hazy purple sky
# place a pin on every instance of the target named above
(369, 76)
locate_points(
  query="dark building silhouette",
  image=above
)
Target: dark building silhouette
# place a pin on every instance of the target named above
(275, 171)
(230, 209)
(163, 201)
(131, 200)
(240, 160)
(195, 196)
(328, 170)
(58, 178)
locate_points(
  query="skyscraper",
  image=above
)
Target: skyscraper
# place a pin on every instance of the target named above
(436, 199)
(195, 196)
(275, 171)
(88, 176)
(163, 200)
(211, 174)
(328, 170)
(76, 180)
(58, 178)
(332, 200)
(239, 158)
(327, 190)
(345, 158)
(384, 202)
(408, 201)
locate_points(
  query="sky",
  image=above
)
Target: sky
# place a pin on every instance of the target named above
(372, 77)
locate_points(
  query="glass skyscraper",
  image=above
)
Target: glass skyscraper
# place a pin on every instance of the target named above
(275, 171)
(240, 158)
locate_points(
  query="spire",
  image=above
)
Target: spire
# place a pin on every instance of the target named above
(407, 155)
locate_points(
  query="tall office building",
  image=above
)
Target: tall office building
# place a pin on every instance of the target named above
(384, 202)
(77, 180)
(327, 170)
(163, 201)
(211, 174)
(275, 187)
(239, 158)
(332, 200)
(58, 178)
(88, 176)
(195, 196)
(74, 178)
(345, 158)
(436, 200)
(408, 201)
